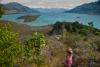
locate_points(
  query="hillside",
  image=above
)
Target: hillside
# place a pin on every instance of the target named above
(74, 27)
(88, 8)
(15, 7)
(85, 47)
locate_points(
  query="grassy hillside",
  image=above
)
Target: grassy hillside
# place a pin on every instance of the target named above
(60, 36)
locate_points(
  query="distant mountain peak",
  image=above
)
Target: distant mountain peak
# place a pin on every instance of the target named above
(14, 7)
(88, 8)
(13, 3)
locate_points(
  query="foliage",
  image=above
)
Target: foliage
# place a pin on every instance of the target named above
(34, 46)
(9, 48)
(91, 24)
(97, 33)
(75, 27)
(1, 11)
(91, 27)
(98, 44)
(84, 32)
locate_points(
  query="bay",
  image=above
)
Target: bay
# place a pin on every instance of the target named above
(51, 18)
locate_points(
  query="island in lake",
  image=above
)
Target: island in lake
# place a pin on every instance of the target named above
(28, 18)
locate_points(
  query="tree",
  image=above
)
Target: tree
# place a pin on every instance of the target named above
(34, 46)
(76, 26)
(63, 31)
(9, 48)
(1, 10)
(91, 26)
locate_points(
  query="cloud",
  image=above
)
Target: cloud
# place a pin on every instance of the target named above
(50, 3)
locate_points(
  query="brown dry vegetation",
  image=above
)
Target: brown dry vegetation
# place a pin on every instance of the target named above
(84, 47)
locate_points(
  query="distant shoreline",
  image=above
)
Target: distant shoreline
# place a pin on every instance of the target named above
(55, 13)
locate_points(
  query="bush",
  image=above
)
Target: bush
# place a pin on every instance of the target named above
(9, 48)
(83, 31)
(97, 33)
(34, 46)
(98, 44)
(1, 10)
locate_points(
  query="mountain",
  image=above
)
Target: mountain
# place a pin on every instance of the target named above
(15, 7)
(89, 8)
(51, 10)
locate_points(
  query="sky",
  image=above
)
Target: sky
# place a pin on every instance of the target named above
(69, 4)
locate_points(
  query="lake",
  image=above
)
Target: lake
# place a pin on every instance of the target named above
(51, 18)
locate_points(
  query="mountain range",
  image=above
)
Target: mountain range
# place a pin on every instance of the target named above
(15, 7)
(88, 8)
(50, 10)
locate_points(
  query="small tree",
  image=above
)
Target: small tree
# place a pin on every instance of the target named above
(76, 26)
(1, 10)
(9, 48)
(91, 26)
(35, 44)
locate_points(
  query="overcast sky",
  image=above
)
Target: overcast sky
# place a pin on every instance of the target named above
(50, 3)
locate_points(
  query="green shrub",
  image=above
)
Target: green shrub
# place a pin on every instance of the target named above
(34, 46)
(97, 33)
(83, 31)
(9, 48)
(1, 11)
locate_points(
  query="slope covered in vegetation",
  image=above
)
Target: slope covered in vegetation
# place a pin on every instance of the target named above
(53, 51)
(74, 27)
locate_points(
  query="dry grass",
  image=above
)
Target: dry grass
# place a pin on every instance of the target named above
(55, 50)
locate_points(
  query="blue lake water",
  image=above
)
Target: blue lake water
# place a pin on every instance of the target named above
(51, 18)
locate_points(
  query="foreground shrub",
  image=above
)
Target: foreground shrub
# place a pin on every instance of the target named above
(9, 48)
(33, 47)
